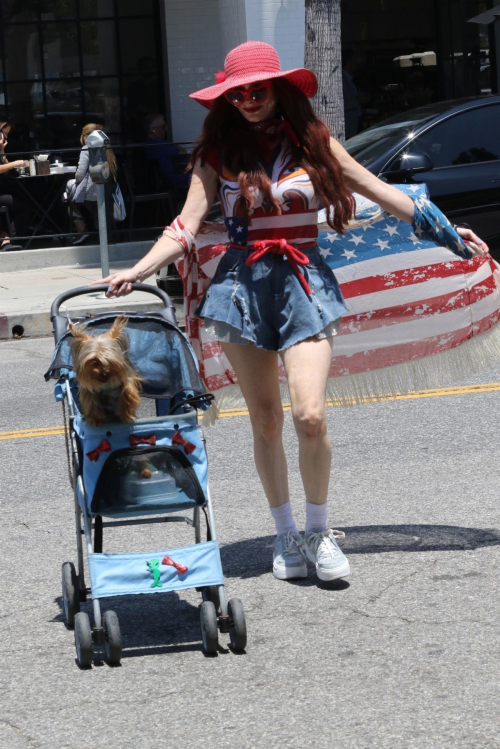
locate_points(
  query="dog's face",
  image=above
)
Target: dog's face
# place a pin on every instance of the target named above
(100, 361)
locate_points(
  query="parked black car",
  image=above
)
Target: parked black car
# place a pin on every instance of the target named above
(452, 146)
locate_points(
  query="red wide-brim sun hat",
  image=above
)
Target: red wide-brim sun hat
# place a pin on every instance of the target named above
(251, 62)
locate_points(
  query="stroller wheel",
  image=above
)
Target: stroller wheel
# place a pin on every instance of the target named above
(209, 631)
(83, 640)
(237, 625)
(112, 638)
(70, 593)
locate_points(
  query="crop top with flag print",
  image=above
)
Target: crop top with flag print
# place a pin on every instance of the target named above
(290, 183)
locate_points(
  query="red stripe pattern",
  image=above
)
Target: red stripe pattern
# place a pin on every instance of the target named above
(418, 301)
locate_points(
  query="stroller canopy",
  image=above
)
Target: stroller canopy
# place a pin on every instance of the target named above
(158, 351)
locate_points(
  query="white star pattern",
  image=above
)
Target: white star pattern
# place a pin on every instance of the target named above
(239, 229)
(459, 246)
(356, 240)
(383, 244)
(439, 225)
(391, 230)
(419, 230)
(230, 222)
(414, 188)
(414, 238)
(332, 237)
(349, 254)
(324, 251)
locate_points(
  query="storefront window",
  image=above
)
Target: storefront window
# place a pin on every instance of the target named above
(99, 48)
(22, 52)
(399, 56)
(67, 62)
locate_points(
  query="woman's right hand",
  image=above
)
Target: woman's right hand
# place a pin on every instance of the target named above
(18, 163)
(119, 284)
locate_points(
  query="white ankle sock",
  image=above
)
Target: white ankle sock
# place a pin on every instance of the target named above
(316, 517)
(283, 518)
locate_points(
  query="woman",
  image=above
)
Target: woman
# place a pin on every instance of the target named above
(82, 191)
(16, 210)
(274, 164)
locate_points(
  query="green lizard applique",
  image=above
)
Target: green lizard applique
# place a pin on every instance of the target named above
(154, 567)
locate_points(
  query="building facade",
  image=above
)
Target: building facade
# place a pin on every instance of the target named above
(67, 62)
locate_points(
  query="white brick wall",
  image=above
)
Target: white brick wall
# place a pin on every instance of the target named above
(280, 23)
(232, 15)
(194, 54)
(201, 32)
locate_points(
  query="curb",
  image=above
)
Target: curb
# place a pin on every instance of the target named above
(37, 324)
(11, 262)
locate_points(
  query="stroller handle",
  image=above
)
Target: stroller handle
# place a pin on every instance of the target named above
(60, 323)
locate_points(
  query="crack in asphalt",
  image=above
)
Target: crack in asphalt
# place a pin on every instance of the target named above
(29, 739)
(423, 621)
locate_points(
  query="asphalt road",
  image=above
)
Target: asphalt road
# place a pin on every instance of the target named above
(405, 654)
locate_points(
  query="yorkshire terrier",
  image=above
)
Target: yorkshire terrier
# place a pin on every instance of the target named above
(109, 386)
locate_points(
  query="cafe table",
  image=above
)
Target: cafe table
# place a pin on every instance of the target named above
(54, 185)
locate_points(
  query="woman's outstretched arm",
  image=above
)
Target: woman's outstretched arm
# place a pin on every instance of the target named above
(199, 200)
(388, 197)
(367, 184)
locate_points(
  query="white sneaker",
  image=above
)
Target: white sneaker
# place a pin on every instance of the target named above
(289, 561)
(323, 550)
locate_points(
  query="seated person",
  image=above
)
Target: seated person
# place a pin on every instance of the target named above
(160, 150)
(17, 210)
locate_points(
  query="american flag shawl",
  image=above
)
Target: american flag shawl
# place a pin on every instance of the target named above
(422, 308)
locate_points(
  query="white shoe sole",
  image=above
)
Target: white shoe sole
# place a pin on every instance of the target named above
(324, 574)
(290, 573)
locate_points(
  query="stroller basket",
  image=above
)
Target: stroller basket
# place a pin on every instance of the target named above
(126, 574)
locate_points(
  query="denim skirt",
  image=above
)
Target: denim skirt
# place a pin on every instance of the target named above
(266, 304)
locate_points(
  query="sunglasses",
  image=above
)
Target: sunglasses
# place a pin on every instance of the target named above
(258, 94)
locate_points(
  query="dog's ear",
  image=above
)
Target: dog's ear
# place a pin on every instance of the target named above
(78, 332)
(116, 332)
(117, 328)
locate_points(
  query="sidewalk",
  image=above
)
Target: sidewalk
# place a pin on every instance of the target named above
(26, 297)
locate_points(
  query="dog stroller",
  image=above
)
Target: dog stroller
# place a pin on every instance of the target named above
(146, 471)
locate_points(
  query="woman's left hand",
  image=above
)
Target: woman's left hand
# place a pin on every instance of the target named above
(469, 236)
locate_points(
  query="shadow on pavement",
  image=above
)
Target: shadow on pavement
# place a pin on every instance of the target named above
(162, 624)
(252, 557)
(151, 624)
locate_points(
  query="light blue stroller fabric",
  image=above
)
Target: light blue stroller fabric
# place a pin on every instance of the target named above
(118, 437)
(125, 574)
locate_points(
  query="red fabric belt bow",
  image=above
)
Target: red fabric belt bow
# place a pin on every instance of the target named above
(280, 247)
(178, 439)
(181, 568)
(151, 440)
(104, 447)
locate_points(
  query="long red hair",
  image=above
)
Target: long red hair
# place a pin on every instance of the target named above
(239, 148)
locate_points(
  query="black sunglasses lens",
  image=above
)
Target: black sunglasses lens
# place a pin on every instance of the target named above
(236, 97)
(259, 94)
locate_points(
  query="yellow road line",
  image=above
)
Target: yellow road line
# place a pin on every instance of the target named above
(14, 432)
(46, 432)
(228, 412)
(431, 393)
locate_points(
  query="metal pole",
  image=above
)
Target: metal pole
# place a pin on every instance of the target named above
(103, 230)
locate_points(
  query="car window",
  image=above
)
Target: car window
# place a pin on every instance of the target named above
(373, 142)
(466, 138)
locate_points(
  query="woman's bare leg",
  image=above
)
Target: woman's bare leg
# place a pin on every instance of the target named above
(307, 365)
(257, 373)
